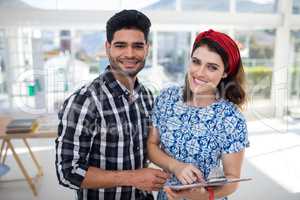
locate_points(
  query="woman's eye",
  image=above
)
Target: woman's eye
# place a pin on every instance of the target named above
(212, 67)
(195, 61)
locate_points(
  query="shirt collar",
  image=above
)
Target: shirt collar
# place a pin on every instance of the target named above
(116, 87)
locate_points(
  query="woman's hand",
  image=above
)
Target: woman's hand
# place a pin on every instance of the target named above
(192, 194)
(187, 173)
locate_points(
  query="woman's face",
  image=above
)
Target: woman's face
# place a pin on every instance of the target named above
(205, 71)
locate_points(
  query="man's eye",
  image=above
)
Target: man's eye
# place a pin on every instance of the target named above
(139, 46)
(119, 46)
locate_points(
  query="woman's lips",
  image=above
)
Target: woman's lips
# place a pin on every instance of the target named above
(199, 81)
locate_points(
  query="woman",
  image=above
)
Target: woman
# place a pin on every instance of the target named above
(199, 128)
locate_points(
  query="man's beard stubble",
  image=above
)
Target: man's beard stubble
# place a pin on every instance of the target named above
(130, 73)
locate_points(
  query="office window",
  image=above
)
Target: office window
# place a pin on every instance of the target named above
(152, 76)
(89, 47)
(62, 4)
(257, 47)
(76, 5)
(220, 5)
(296, 7)
(20, 64)
(23, 4)
(257, 51)
(72, 59)
(173, 54)
(256, 6)
(294, 70)
(204, 5)
(51, 63)
(3, 72)
(2, 63)
(161, 5)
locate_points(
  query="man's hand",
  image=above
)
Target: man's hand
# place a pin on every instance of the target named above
(149, 179)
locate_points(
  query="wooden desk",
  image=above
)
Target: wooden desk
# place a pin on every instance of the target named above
(7, 144)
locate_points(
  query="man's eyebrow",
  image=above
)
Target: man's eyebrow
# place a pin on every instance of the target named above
(119, 42)
(139, 43)
(124, 43)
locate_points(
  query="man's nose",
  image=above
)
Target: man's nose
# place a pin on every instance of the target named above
(129, 52)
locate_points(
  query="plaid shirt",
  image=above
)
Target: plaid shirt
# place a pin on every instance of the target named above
(101, 125)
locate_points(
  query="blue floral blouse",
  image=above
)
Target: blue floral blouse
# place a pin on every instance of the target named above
(198, 135)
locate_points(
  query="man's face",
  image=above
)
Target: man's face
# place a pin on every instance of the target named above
(127, 52)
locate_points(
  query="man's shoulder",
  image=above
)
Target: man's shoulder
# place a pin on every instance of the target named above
(86, 90)
(145, 90)
(95, 85)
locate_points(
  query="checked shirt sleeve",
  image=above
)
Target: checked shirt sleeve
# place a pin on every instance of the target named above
(76, 131)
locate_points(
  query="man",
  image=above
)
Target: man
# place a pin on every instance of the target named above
(101, 144)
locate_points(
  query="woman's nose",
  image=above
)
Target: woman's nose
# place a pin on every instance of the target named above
(200, 71)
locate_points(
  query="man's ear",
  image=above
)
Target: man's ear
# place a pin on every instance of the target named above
(147, 48)
(107, 47)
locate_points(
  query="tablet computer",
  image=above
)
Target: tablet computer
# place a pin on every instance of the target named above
(209, 183)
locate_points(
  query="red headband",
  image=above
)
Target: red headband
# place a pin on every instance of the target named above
(228, 45)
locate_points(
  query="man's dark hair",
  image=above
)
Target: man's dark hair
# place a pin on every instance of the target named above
(129, 19)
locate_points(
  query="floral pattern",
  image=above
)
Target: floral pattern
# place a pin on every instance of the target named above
(198, 135)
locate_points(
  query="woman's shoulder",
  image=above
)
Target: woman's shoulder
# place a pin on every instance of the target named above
(173, 91)
(168, 95)
(230, 109)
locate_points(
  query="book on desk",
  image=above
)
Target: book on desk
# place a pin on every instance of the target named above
(21, 126)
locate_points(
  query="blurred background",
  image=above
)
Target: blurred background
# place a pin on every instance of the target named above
(49, 48)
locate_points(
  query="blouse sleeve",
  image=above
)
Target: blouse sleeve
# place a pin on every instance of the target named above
(235, 127)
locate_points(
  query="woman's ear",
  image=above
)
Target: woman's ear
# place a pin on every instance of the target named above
(224, 75)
